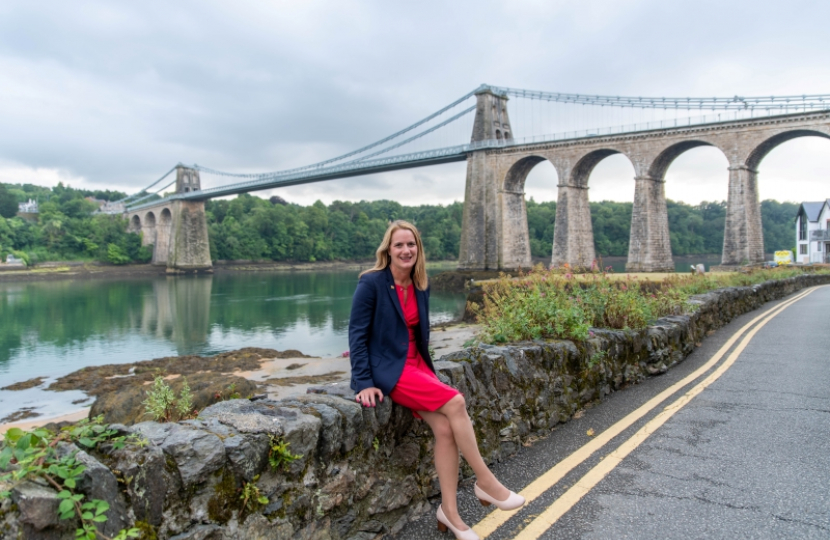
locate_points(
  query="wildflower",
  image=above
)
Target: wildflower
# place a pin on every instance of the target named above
(345, 354)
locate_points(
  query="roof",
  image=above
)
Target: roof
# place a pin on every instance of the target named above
(813, 209)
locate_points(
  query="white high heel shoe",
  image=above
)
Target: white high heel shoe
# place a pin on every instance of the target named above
(512, 501)
(444, 524)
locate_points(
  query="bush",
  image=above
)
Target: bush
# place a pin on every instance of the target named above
(116, 255)
(550, 304)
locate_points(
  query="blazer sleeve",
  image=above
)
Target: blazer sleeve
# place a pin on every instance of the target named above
(360, 323)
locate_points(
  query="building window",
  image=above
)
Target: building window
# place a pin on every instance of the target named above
(818, 246)
(802, 227)
(802, 249)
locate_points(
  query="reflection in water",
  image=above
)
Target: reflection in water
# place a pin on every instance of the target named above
(178, 311)
(53, 328)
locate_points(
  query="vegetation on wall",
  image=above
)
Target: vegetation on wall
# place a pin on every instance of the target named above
(556, 304)
(249, 227)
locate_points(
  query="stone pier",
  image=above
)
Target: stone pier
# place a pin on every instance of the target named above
(177, 229)
(495, 234)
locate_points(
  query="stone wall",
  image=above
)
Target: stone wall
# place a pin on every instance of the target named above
(363, 472)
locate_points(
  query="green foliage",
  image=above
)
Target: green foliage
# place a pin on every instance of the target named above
(557, 305)
(252, 228)
(693, 229)
(22, 255)
(251, 497)
(8, 203)
(34, 455)
(279, 456)
(163, 405)
(249, 227)
(116, 255)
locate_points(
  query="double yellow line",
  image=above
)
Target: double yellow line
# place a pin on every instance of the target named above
(552, 513)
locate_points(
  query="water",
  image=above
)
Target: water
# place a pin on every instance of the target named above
(56, 327)
(53, 328)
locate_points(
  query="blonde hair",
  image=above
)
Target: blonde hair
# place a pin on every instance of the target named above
(419, 271)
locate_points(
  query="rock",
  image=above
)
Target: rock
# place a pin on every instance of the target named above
(352, 416)
(98, 482)
(200, 532)
(331, 432)
(196, 453)
(392, 495)
(257, 527)
(248, 454)
(406, 455)
(245, 416)
(318, 530)
(302, 431)
(126, 405)
(37, 504)
(149, 482)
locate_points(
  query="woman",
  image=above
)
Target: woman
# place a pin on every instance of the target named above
(388, 341)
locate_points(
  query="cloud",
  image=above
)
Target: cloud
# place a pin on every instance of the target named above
(112, 95)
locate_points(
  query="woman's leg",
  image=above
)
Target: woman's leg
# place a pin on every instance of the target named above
(446, 465)
(455, 411)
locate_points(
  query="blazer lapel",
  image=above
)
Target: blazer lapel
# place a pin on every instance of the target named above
(393, 294)
(422, 311)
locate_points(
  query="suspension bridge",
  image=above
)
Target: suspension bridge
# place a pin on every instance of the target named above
(572, 131)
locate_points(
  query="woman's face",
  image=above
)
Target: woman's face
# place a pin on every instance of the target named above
(403, 251)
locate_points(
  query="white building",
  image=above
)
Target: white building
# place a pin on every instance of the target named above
(29, 207)
(812, 232)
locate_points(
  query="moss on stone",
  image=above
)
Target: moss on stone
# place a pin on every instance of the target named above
(225, 499)
(148, 532)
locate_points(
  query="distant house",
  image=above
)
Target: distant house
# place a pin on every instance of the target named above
(114, 207)
(28, 210)
(29, 207)
(812, 232)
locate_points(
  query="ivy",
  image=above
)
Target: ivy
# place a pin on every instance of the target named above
(35, 455)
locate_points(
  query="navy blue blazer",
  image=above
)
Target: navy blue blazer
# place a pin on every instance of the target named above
(378, 336)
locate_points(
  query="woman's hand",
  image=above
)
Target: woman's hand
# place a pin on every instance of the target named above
(368, 396)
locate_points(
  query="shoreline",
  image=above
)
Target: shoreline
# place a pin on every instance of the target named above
(93, 270)
(279, 377)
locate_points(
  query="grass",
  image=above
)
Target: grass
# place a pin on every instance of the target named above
(557, 304)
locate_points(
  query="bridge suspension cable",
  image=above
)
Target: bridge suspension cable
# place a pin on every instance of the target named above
(559, 120)
(127, 198)
(803, 102)
(359, 151)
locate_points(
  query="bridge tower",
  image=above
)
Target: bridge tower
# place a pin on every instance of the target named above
(177, 228)
(494, 232)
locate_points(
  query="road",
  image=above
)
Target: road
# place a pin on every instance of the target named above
(732, 443)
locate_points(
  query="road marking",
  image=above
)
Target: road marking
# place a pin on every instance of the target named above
(585, 484)
(496, 519)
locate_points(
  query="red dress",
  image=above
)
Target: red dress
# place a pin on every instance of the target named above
(418, 388)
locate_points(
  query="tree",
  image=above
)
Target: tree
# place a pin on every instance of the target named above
(8, 203)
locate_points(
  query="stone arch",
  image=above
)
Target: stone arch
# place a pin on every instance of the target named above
(582, 170)
(515, 178)
(135, 223)
(148, 231)
(760, 152)
(514, 234)
(498, 134)
(657, 169)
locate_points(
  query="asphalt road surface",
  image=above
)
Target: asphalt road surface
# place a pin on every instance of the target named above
(734, 443)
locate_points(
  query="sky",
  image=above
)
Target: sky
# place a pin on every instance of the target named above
(106, 95)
